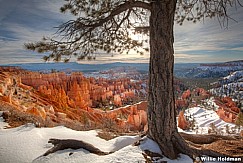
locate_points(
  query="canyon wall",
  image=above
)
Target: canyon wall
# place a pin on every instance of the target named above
(77, 91)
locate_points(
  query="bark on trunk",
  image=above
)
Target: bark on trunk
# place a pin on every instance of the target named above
(161, 102)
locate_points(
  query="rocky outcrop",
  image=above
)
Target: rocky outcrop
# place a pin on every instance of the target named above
(229, 103)
(67, 99)
(181, 104)
(137, 119)
(61, 116)
(77, 91)
(241, 133)
(182, 122)
(226, 116)
(228, 109)
(132, 117)
(6, 98)
(66, 91)
(117, 100)
(40, 112)
(202, 93)
(186, 94)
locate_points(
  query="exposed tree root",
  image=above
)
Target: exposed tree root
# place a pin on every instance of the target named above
(61, 144)
(206, 139)
(210, 145)
(233, 148)
(189, 144)
(148, 156)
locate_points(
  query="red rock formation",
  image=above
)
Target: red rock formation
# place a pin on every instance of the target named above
(143, 117)
(63, 89)
(227, 109)
(6, 98)
(76, 91)
(61, 116)
(117, 100)
(25, 87)
(228, 102)
(181, 104)
(202, 93)
(235, 109)
(186, 94)
(137, 119)
(59, 97)
(40, 112)
(128, 94)
(241, 133)
(182, 122)
(49, 109)
(136, 116)
(2, 90)
(226, 116)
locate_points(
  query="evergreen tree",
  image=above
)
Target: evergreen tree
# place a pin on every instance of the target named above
(239, 120)
(106, 25)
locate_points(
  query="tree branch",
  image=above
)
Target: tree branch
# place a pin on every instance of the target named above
(61, 144)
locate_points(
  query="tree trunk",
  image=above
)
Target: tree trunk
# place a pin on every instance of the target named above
(162, 126)
(161, 101)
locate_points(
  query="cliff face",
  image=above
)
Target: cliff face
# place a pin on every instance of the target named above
(8, 82)
(68, 99)
(129, 118)
(66, 91)
(20, 96)
(76, 91)
(228, 109)
(59, 98)
(76, 96)
(182, 122)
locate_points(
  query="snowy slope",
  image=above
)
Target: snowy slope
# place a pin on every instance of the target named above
(204, 118)
(235, 76)
(27, 143)
(231, 85)
(215, 69)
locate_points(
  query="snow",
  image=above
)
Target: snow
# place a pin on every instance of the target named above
(152, 146)
(230, 86)
(234, 76)
(204, 118)
(211, 103)
(27, 143)
(2, 123)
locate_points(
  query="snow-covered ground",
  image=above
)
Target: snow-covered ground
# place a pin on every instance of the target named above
(234, 76)
(231, 86)
(27, 144)
(205, 118)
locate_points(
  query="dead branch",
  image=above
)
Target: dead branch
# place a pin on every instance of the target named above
(61, 144)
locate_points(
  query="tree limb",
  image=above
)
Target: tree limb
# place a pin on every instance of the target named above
(61, 144)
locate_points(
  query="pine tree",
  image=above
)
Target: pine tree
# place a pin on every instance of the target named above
(106, 25)
(239, 120)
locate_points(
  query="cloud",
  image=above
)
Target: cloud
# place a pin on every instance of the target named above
(190, 58)
(24, 21)
(209, 40)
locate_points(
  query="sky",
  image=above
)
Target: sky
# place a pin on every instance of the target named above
(23, 21)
